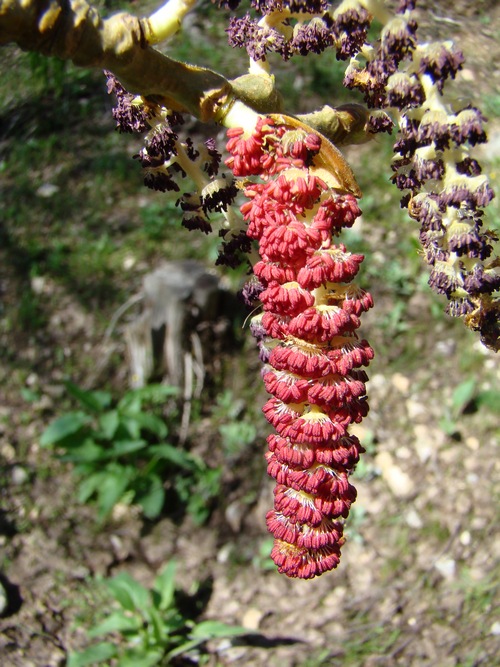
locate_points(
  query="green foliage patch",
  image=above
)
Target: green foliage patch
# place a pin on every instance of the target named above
(150, 625)
(120, 453)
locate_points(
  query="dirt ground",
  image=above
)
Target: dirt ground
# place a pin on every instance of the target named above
(419, 580)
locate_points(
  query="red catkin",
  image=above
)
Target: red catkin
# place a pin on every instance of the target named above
(307, 334)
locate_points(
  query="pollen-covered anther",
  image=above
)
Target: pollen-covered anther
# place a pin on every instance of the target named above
(279, 413)
(293, 242)
(304, 563)
(335, 389)
(340, 355)
(327, 533)
(325, 484)
(343, 453)
(287, 299)
(297, 505)
(315, 426)
(322, 323)
(351, 298)
(279, 272)
(332, 265)
(286, 386)
(333, 501)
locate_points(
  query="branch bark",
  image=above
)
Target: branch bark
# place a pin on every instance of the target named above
(74, 30)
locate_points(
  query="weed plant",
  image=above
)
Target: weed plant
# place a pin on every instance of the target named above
(150, 625)
(119, 452)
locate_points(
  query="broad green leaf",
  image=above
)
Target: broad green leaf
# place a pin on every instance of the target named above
(237, 435)
(130, 404)
(89, 485)
(92, 655)
(462, 395)
(205, 631)
(131, 425)
(123, 447)
(153, 393)
(110, 491)
(158, 628)
(116, 622)
(151, 423)
(64, 426)
(153, 498)
(128, 592)
(489, 398)
(87, 452)
(177, 456)
(93, 400)
(108, 422)
(140, 658)
(213, 629)
(164, 584)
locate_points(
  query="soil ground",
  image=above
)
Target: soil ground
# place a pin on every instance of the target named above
(419, 580)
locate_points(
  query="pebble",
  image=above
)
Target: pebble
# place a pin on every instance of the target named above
(413, 519)
(252, 618)
(401, 382)
(399, 482)
(19, 475)
(415, 408)
(495, 629)
(465, 538)
(3, 598)
(47, 190)
(427, 441)
(446, 567)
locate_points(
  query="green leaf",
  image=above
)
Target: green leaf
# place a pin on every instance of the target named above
(132, 425)
(87, 452)
(164, 584)
(489, 398)
(213, 629)
(96, 401)
(128, 592)
(151, 423)
(89, 485)
(116, 622)
(108, 422)
(110, 491)
(131, 403)
(64, 426)
(92, 655)
(153, 499)
(153, 393)
(156, 625)
(123, 447)
(462, 395)
(174, 455)
(138, 658)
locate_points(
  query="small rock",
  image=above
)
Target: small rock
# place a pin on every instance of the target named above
(47, 190)
(252, 618)
(38, 284)
(465, 538)
(446, 567)
(3, 599)
(495, 629)
(413, 519)
(399, 482)
(400, 382)
(129, 262)
(19, 475)
(427, 441)
(234, 515)
(415, 408)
